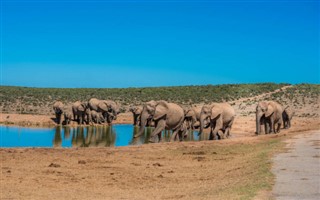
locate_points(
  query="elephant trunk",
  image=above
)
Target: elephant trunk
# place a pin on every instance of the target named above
(202, 118)
(143, 122)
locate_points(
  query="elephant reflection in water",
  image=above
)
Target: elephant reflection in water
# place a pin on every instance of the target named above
(57, 140)
(78, 137)
(144, 139)
(66, 132)
(102, 136)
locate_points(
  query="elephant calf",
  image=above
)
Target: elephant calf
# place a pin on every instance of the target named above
(67, 117)
(58, 110)
(286, 117)
(192, 117)
(96, 117)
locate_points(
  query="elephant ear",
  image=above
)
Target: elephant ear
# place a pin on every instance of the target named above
(161, 110)
(103, 106)
(81, 108)
(269, 111)
(188, 113)
(216, 111)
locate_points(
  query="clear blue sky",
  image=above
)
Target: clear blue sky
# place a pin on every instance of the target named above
(158, 43)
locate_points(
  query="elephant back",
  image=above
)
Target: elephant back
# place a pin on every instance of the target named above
(93, 104)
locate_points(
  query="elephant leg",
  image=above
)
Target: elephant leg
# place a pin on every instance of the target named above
(218, 126)
(278, 128)
(134, 120)
(81, 119)
(160, 137)
(192, 124)
(221, 134)
(174, 135)
(211, 137)
(161, 125)
(181, 135)
(266, 128)
(272, 126)
(227, 130)
(185, 133)
(289, 123)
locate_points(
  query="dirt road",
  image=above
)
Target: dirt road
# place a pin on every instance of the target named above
(298, 170)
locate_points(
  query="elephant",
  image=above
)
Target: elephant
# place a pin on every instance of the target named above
(220, 117)
(167, 116)
(192, 117)
(96, 117)
(109, 109)
(67, 116)
(79, 111)
(269, 114)
(287, 116)
(58, 110)
(136, 111)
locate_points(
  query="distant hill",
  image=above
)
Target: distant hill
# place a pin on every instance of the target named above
(40, 100)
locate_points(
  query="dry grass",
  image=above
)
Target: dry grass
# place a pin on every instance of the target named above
(233, 169)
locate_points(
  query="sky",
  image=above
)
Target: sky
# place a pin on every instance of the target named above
(115, 44)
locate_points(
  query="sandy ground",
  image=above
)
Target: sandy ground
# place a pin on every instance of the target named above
(153, 171)
(298, 170)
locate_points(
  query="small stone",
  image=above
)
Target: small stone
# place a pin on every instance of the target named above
(157, 164)
(54, 165)
(82, 162)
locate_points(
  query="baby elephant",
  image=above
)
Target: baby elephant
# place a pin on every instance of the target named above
(67, 117)
(96, 117)
(287, 116)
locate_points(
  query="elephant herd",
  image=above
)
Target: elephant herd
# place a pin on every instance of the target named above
(93, 111)
(162, 115)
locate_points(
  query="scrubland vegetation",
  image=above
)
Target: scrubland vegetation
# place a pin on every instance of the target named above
(27, 100)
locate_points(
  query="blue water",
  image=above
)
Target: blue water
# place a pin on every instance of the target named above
(101, 136)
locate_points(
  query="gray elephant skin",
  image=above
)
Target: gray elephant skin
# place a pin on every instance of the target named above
(167, 116)
(79, 111)
(67, 116)
(220, 116)
(58, 110)
(287, 117)
(95, 117)
(269, 115)
(136, 112)
(192, 117)
(109, 109)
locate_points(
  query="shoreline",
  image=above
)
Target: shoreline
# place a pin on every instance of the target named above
(31, 120)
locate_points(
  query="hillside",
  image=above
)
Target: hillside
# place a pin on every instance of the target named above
(24, 100)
